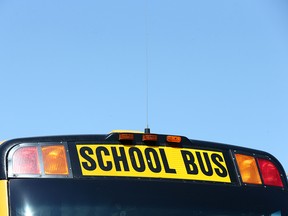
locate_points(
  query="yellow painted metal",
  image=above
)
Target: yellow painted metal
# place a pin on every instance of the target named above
(4, 210)
(126, 131)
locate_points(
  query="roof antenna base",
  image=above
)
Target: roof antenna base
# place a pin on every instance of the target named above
(147, 130)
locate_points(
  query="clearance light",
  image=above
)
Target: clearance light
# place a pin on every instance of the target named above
(149, 137)
(26, 161)
(126, 137)
(270, 173)
(248, 169)
(173, 139)
(54, 160)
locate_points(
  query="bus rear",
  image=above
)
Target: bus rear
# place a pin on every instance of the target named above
(129, 174)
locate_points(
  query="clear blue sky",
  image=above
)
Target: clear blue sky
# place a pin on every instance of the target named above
(218, 70)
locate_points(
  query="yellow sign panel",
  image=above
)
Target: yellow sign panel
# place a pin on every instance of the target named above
(152, 162)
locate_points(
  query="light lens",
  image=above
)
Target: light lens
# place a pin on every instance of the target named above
(126, 137)
(173, 139)
(150, 137)
(270, 173)
(25, 160)
(54, 160)
(248, 169)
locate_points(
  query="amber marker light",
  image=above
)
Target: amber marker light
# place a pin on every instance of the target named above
(126, 137)
(55, 160)
(173, 139)
(248, 169)
(149, 137)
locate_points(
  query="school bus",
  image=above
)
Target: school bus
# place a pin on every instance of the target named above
(129, 174)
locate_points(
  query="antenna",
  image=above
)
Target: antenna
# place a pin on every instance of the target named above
(147, 129)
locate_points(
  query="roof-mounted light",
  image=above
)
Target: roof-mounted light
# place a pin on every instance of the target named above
(149, 138)
(173, 139)
(126, 137)
(257, 170)
(270, 173)
(248, 169)
(26, 161)
(54, 160)
(42, 160)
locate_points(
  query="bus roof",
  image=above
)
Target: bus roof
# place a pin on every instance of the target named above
(207, 152)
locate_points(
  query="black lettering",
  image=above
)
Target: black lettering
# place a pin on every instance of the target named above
(90, 164)
(135, 153)
(209, 171)
(151, 153)
(100, 151)
(221, 170)
(165, 162)
(120, 158)
(189, 161)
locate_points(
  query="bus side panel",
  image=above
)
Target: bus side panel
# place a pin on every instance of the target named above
(4, 210)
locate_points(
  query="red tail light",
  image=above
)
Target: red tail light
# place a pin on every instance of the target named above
(270, 173)
(26, 161)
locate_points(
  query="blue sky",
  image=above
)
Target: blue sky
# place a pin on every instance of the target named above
(217, 69)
